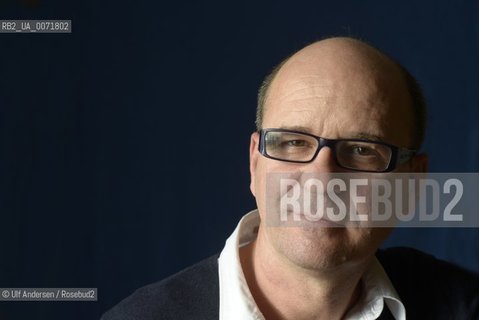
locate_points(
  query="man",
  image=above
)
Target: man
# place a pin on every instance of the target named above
(341, 90)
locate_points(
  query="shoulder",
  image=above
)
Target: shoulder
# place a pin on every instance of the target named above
(429, 286)
(192, 293)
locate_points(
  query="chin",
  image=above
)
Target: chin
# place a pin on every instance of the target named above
(316, 248)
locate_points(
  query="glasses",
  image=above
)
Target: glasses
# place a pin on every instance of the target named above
(352, 154)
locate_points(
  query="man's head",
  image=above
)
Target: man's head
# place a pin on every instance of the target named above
(339, 88)
(418, 103)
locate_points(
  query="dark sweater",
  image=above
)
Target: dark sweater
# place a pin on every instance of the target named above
(428, 287)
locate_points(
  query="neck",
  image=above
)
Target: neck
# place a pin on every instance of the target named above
(283, 290)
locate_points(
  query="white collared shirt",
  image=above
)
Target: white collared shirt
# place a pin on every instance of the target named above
(236, 301)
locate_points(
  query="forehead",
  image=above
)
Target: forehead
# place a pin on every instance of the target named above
(341, 98)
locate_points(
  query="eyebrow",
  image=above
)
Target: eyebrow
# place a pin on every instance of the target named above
(368, 136)
(359, 135)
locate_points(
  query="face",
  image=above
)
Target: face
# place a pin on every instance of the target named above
(332, 92)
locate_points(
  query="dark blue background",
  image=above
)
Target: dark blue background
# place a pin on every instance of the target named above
(124, 145)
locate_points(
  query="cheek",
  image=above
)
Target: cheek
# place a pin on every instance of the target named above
(268, 172)
(270, 187)
(263, 181)
(257, 184)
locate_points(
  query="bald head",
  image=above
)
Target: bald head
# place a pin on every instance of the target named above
(348, 67)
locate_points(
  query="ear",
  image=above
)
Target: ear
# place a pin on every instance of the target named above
(253, 160)
(420, 163)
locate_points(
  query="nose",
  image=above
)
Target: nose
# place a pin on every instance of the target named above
(324, 162)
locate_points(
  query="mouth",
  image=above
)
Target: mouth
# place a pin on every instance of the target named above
(329, 224)
(323, 222)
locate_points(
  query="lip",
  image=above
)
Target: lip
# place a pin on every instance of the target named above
(328, 223)
(323, 222)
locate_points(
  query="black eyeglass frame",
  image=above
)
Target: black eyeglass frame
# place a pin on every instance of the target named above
(398, 155)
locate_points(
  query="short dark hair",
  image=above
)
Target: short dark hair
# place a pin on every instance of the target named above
(418, 102)
(263, 93)
(419, 107)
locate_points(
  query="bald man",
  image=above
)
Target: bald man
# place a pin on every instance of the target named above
(320, 100)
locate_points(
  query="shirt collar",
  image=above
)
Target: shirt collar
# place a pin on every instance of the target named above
(236, 301)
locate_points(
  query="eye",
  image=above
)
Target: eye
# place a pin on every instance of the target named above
(362, 151)
(297, 143)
